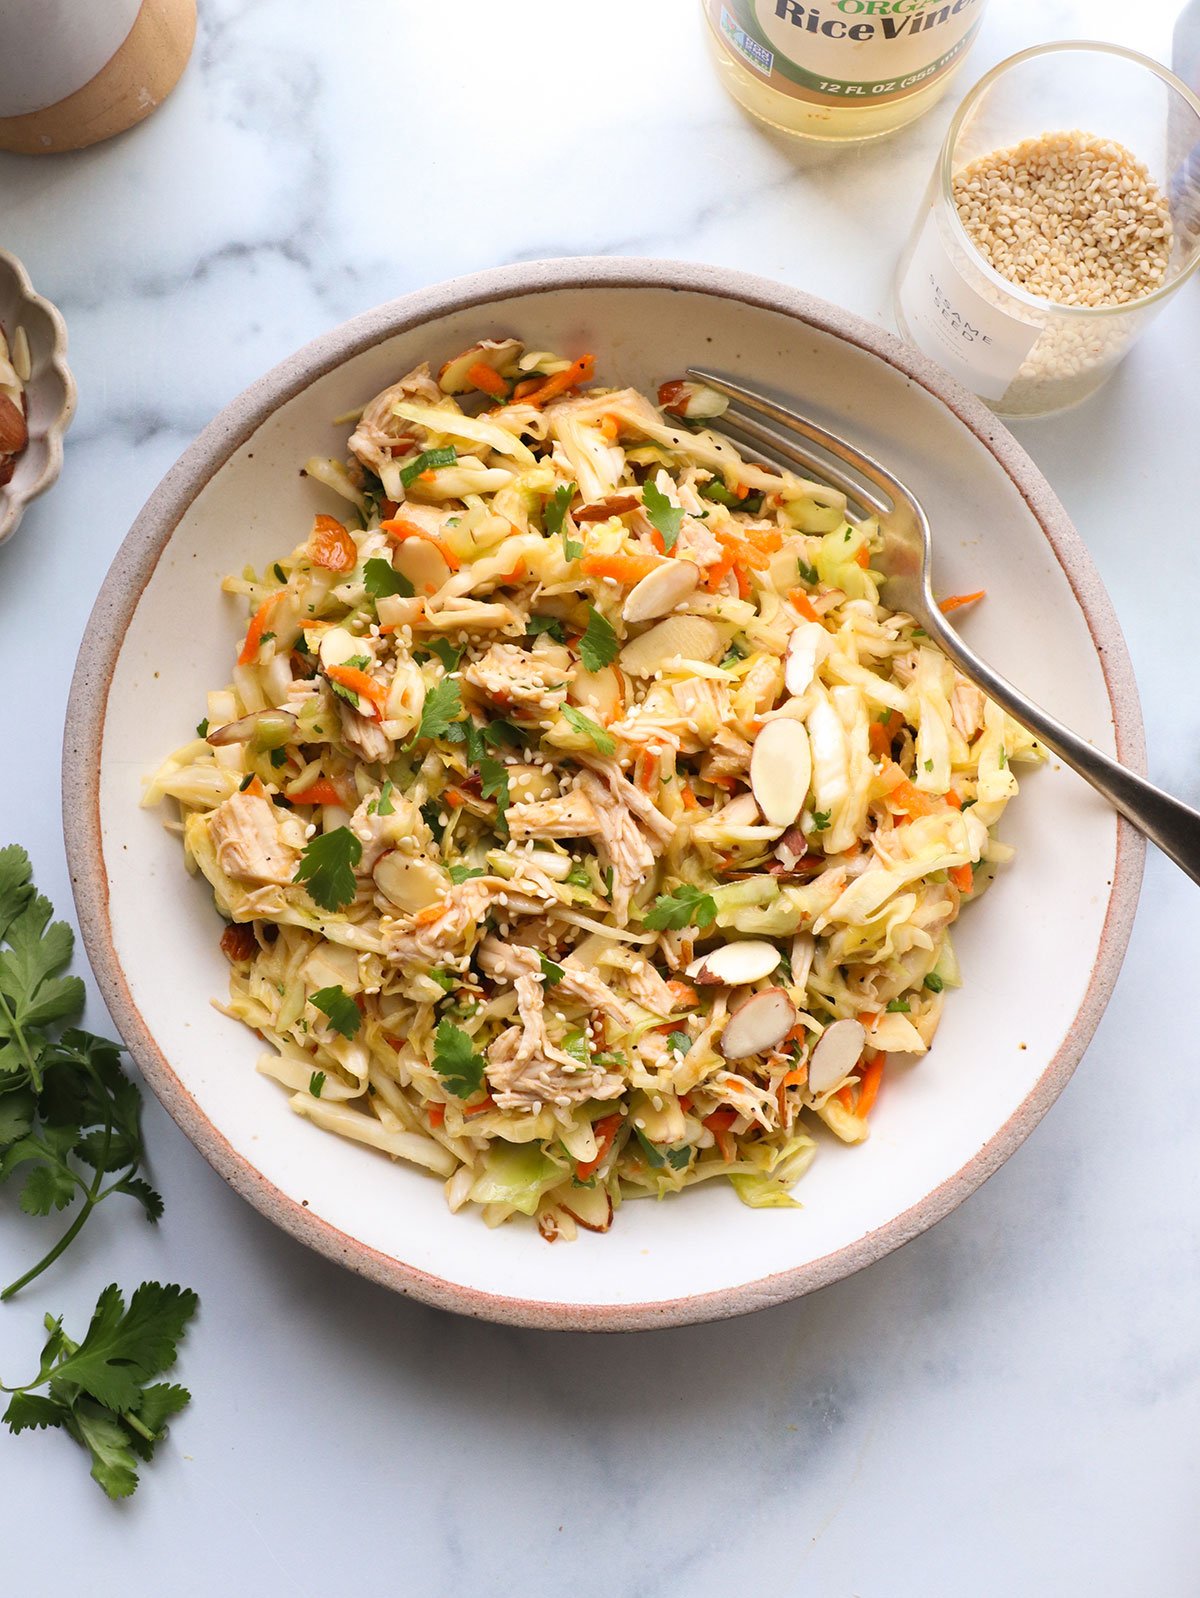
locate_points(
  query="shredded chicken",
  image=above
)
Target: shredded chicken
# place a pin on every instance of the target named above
(524, 1068)
(571, 815)
(379, 430)
(515, 676)
(251, 844)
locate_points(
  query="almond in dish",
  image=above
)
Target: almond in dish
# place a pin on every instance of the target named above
(586, 826)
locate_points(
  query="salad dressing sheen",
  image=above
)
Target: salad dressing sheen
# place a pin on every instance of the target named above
(840, 69)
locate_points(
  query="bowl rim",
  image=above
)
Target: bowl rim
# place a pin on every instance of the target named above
(137, 559)
(13, 503)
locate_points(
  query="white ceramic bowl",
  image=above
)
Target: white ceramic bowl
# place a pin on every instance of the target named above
(49, 393)
(1039, 954)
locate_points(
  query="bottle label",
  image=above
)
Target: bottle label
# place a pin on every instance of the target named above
(847, 52)
(978, 342)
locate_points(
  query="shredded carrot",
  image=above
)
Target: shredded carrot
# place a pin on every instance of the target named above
(624, 569)
(487, 380)
(255, 788)
(437, 1115)
(487, 1102)
(690, 802)
(868, 1018)
(430, 913)
(845, 1097)
(863, 558)
(321, 792)
(258, 626)
(517, 572)
(767, 540)
(803, 604)
(605, 1129)
(963, 877)
(743, 582)
(398, 528)
(716, 575)
(580, 371)
(610, 426)
(957, 601)
(526, 387)
(682, 992)
(454, 798)
(719, 1123)
(742, 490)
(330, 545)
(880, 734)
(791, 1079)
(359, 683)
(743, 551)
(868, 1086)
(647, 770)
(913, 801)
(954, 800)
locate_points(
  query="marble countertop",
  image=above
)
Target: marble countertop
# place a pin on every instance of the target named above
(1011, 1404)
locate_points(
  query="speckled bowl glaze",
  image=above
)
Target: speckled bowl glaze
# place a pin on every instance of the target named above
(49, 393)
(1039, 954)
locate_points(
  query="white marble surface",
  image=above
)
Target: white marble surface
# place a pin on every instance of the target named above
(1008, 1406)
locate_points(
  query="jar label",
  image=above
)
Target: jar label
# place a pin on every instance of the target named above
(978, 342)
(840, 52)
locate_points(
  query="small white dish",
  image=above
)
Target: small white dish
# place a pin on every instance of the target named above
(1039, 954)
(49, 390)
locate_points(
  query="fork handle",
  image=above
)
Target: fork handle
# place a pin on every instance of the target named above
(1166, 821)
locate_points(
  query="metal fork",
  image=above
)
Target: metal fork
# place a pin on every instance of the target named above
(905, 563)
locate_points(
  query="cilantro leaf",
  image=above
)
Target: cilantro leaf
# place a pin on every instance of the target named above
(335, 1003)
(809, 573)
(460, 874)
(449, 654)
(898, 1007)
(442, 707)
(456, 1062)
(554, 516)
(604, 741)
(202, 728)
(598, 646)
(381, 578)
(685, 906)
(501, 734)
(552, 973)
(667, 518)
(576, 1045)
(821, 819)
(316, 1084)
(427, 461)
(327, 868)
(537, 625)
(100, 1392)
(680, 1042)
(384, 805)
(495, 786)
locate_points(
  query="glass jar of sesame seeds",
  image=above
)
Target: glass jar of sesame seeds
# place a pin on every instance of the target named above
(1063, 214)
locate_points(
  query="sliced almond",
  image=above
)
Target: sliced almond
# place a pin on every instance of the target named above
(14, 435)
(806, 649)
(496, 353)
(660, 591)
(592, 1207)
(408, 883)
(838, 1051)
(740, 812)
(781, 771)
(678, 637)
(791, 848)
(601, 693)
(734, 964)
(764, 1020)
(338, 646)
(395, 611)
(271, 729)
(422, 563)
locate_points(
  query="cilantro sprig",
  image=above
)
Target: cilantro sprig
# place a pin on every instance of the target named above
(380, 578)
(554, 519)
(685, 906)
(327, 868)
(69, 1116)
(664, 516)
(442, 707)
(604, 741)
(101, 1391)
(598, 646)
(456, 1062)
(339, 1008)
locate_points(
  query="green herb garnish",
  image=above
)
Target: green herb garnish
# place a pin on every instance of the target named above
(685, 906)
(341, 1010)
(604, 741)
(327, 868)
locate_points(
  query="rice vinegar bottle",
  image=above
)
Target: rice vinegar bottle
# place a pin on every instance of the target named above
(840, 69)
